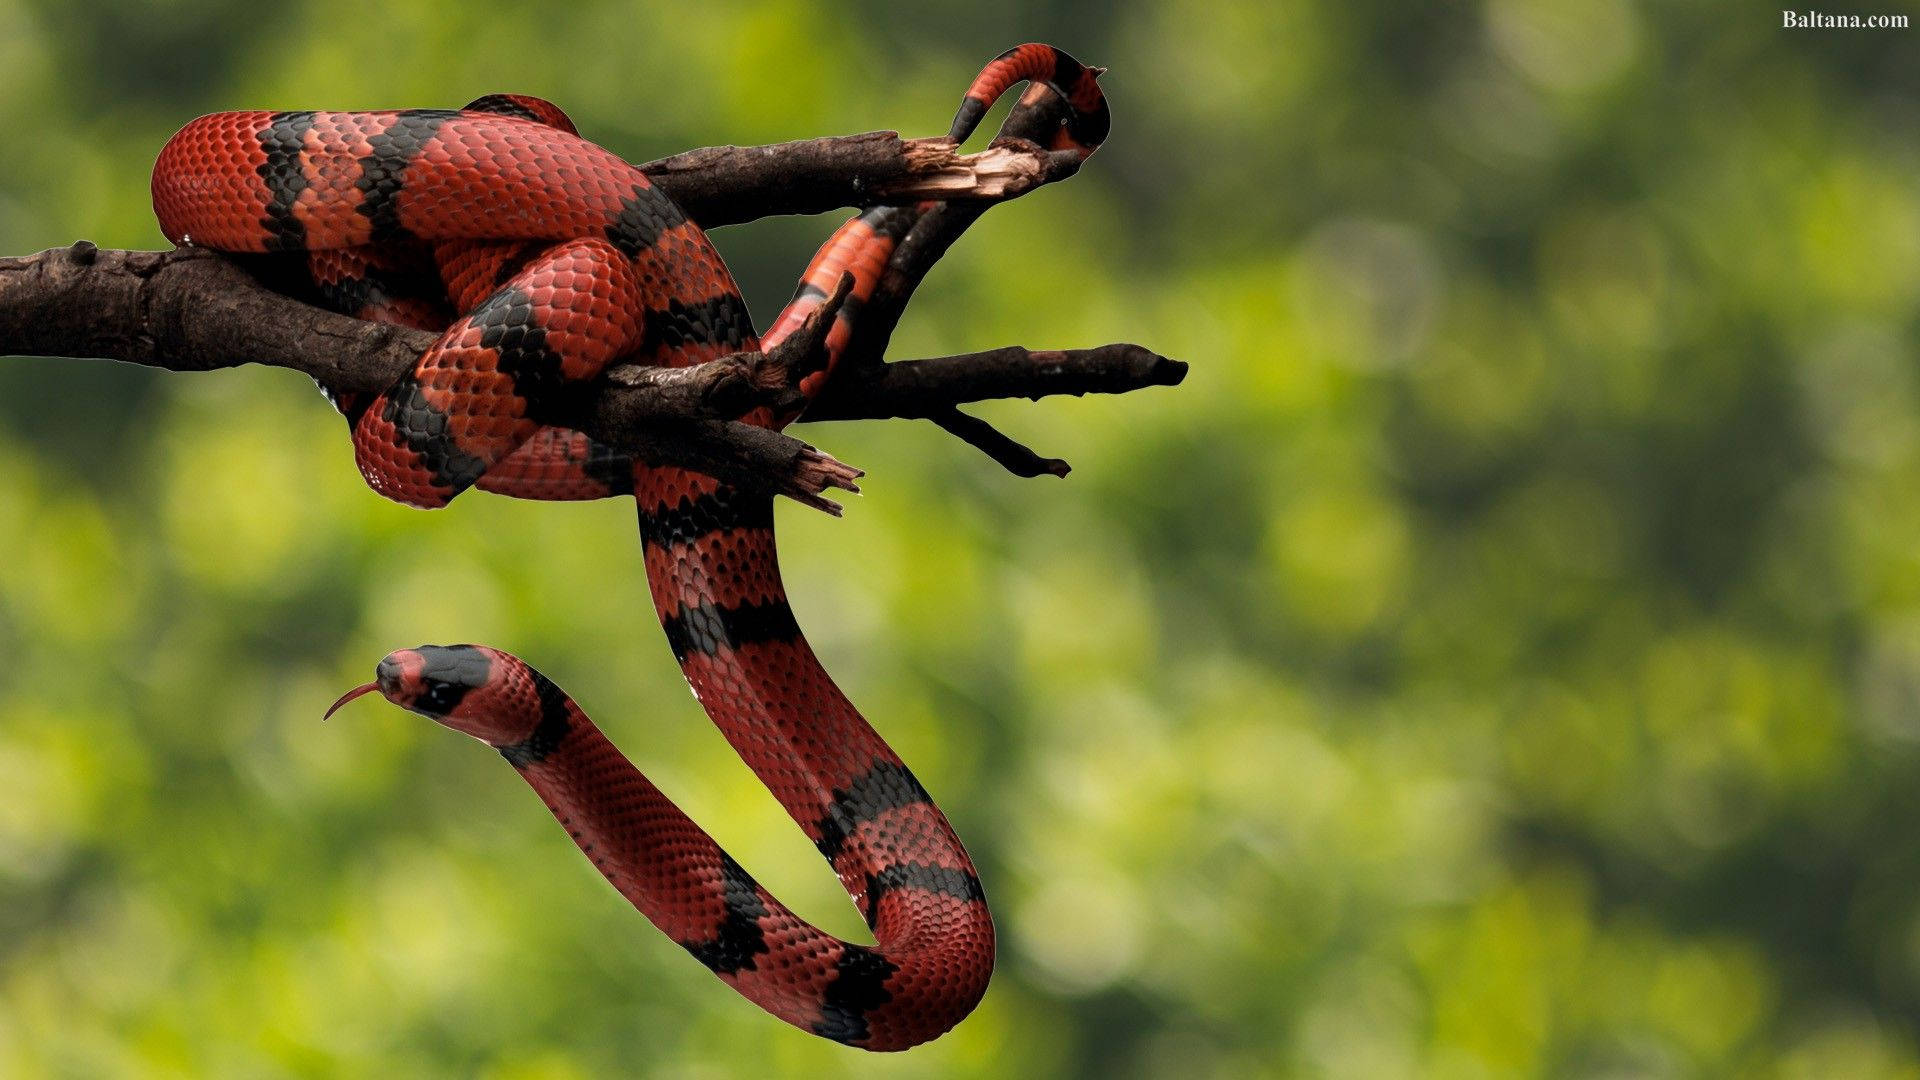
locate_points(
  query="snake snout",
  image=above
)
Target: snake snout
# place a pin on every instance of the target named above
(388, 674)
(433, 680)
(454, 685)
(397, 679)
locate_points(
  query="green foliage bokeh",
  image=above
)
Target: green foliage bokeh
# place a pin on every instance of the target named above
(1501, 657)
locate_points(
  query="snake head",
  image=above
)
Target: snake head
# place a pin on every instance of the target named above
(469, 688)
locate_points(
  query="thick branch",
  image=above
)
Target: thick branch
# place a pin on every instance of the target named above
(924, 388)
(726, 185)
(194, 310)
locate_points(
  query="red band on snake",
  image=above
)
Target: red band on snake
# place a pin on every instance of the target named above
(540, 258)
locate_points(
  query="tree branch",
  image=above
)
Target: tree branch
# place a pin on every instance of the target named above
(920, 389)
(196, 310)
(726, 185)
(1015, 457)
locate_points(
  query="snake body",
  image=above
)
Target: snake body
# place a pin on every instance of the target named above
(540, 258)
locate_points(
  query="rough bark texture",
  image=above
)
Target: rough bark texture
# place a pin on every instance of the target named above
(726, 185)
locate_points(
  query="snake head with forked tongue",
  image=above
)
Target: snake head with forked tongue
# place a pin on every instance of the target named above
(470, 688)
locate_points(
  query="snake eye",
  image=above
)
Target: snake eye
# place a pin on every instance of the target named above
(438, 697)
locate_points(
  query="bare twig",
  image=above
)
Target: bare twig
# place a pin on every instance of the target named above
(1015, 457)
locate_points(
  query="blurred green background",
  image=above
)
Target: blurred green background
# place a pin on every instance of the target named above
(1501, 657)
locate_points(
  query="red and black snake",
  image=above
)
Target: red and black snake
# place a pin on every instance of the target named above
(541, 258)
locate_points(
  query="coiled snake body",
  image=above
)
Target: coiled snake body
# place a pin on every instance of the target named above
(541, 258)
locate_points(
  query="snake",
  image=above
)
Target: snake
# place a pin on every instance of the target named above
(540, 258)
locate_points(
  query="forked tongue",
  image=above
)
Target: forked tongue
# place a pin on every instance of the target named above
(349, 696)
